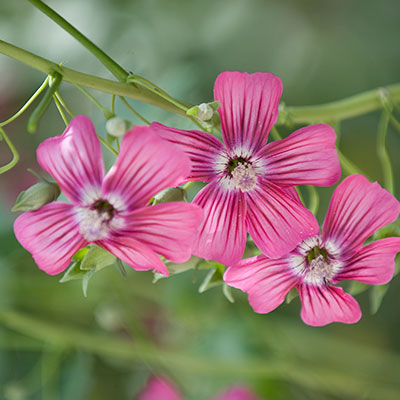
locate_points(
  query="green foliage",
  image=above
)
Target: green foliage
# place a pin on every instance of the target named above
(85, 263)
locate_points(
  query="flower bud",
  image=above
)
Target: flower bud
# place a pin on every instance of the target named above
(36, 196)
(116, 126)
(204, 111)
(170, 194)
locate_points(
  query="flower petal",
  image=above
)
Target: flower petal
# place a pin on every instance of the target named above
(51, 235)
(358, 208)
(373, 264)
(202, 148)
(249, 108)
(327, 304)
(222, 235)
(276, 221)
(138, 255)
(266, 281)
(159, 389)
(292, 192)
(74, 160)
(306, 157)
(168, 229)
(237, 393)
(145, 165)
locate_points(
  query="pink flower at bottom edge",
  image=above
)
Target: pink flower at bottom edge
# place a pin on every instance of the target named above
(159, 388)
(237, 393)
(251, 182)
(110, 210)
(358, 208)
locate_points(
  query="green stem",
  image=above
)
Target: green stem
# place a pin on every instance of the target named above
(348, 166)
(105, 144)
(133, 111)
(395, 123)
(27, 104)
(338, 110)
(107, 114)
(383, 153)
(113, 104)
(40, 178)
(156, 90)
(44, 103)
(62, 102)
(14, 152)
(89, 81)
(108, 62)
(275, 133)
(314, 199)
(349, 107)
(60, 110)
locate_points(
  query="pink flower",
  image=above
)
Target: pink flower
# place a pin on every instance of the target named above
(236, 393)
(161, 389)
(251, 183)
(110, 210)
(358, 209)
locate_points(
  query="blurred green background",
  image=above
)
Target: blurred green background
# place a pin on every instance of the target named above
(57, 344)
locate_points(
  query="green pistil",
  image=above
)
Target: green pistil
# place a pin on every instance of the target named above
(315, 252)
(103, 206)
(232, 164)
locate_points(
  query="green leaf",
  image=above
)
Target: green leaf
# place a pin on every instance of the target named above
(226, 290)
(388, 231)
(121, 268)
(356, 287)
(293, 293)
(170, 194)
(85, 280)
(85, 263)
(175, 268)
(98, 258)
(212, 279)
(73, 272)
(376, 295)
(36, 196)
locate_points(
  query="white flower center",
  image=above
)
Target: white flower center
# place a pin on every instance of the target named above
(97, 220)
(316, 264)
(92, 224)
(244, 177)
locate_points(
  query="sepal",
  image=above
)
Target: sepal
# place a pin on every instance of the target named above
(36, 196)
(85, 263)
(170, 194)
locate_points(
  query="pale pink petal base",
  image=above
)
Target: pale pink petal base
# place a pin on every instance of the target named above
(159, 389)
(168, 229)
(358, 208)
(373, 264)
(249, 107)
(323, 305)
(138, 255)
(307, 157)
(51, 235)
(276, 222)
(266, 281)
(222, 234)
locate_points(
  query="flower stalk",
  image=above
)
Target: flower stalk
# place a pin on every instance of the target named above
(107, 61)
(350, 107)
